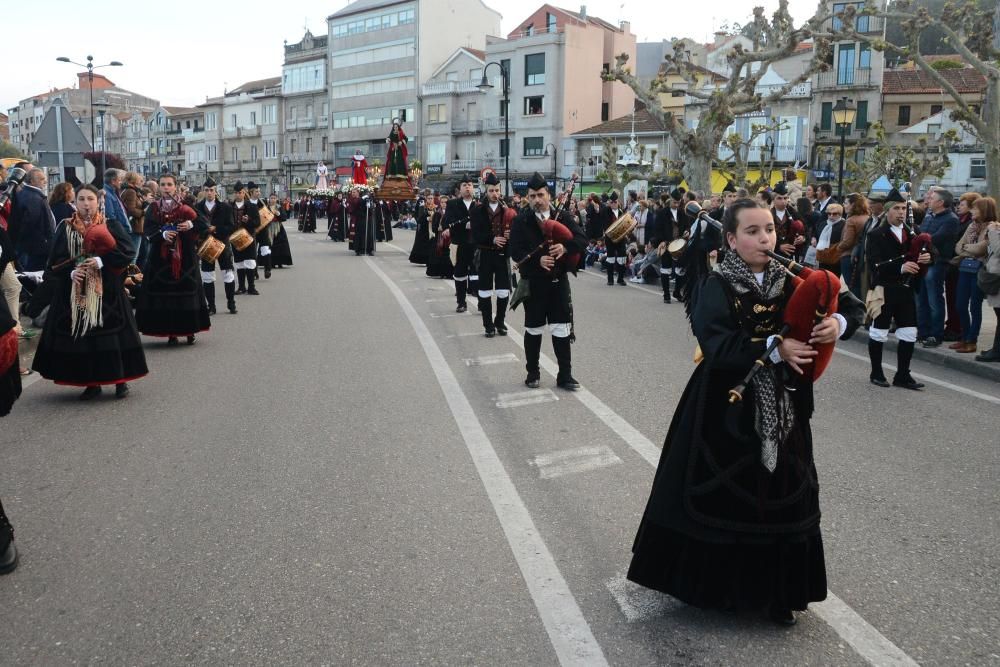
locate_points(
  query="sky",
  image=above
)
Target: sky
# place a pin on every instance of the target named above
(183, 51)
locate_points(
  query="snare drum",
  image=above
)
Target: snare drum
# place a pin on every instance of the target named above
(241, 239)
(210, 249)
(677, 247)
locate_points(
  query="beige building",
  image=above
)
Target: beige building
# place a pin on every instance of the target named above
(379, 53)
(910, 96)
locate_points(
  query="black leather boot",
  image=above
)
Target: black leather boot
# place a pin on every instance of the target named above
(876, 377)
(665, 282)
(564, 380)
(609, 269)
(532, 352)
(251, 280)
(230, 296)
(210, 297)
(904, 353)
(267, 267)
(461, 287)
(8, 552)
(241, 277)
(621, 274)
(486, 310)
(498, 321)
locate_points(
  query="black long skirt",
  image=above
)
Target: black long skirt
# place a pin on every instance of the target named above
(423, 246)
(109, 354)
(168, 306)
(281, 251)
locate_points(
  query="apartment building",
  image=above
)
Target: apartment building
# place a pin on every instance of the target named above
(251, 133)
(306, 110)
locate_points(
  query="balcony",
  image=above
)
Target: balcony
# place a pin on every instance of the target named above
(231, 164)
(173, 132)
(250, 164)
(291, 123)
(231, 133)
(844, 79)
(307, 123)
(476, 165)
(467, 127)
(803, 90)
(251, 131)
(323, 122)
(782, 154)
(495, 124)
(864, 24)
(189, 133)
(449, 87)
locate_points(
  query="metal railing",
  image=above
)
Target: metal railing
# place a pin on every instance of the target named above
(449, 87)
(291, 123)
(495, 124)
(856, 78)
(467, 127)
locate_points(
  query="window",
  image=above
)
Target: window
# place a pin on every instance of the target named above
(550, 22)
(860, 23)
(213, 153)
(309, 111)
(903, 117)
(503, 148)
(528, 31)
(373, 87)
(534, 69)
(505, 64)
(326, 109)
(253, 152)
(309, 145)
(533, 105)
(253, 119)
(977, 167)
(270, 114)
(826, 116)
(861, 118)
(436, 152)
(533, 146)
(503, 108)
(236, 154)
(476, 74)
(325, 145)
(303, 77)
(845, 65)
(291, 146)
(936, 109)
(187, 125)
(436, 113)
(865, 56)
(232, 121)
(605, 111)
(451, 76)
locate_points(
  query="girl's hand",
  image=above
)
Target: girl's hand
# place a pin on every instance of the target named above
(796, 354)
(825, 332)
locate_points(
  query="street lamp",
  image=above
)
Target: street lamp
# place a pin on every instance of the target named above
(287, 161)
(102, 107)
(555, 174)
(90, 78)
(843, 116)
(767, 157)
(485, 85)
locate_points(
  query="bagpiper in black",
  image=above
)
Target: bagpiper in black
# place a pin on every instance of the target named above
(491, 230)
(457, 217)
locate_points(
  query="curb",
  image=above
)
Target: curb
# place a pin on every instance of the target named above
(952, 360)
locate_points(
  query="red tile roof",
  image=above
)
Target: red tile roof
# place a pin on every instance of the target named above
(644, 122)
(914, 81)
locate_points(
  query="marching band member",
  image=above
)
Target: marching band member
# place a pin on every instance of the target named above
(733, 517)
(490, 231)
(220, 225)
(890, 273)
(245, 216)
(549, 301)
(281, 250)
(615, 261)
(264, 236)
(172, 302)
(457, 217)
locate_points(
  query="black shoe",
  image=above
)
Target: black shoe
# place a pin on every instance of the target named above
(501, 329)
(932, 342)
(241, 290)
(621, 281)
(190, 339)
(267, 274)
(533, 381)
(879, 382)
(989, 355)
(666, 298)
(8, 562)
(567, 383)
(782, 616)
(211, 310)
(232, 308)
(907, 383)
(677, 296)
(461, 308)
(253, 291)
(121, 390)
(172, 341)
(490, 333)
(90, 393)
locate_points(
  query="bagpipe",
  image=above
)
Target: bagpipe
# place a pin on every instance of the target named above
(791, 229)
(916, 246)
(555, 233)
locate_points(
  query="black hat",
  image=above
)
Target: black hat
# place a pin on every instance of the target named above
(238, 186)
(780, 189)
(537, 182)
(604, 198)
(677, 194)
(894, 197)
(466, 178)
(614, 196)
(491, 179)
(251, 185)
(729, 187)
(209, 183)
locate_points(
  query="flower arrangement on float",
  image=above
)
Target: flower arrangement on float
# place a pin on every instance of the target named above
(342, 189)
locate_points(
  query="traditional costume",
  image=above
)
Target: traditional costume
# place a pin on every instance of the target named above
(614, 261)
(439, 264)
(218, 217)
(321, 180)
(246, 216)
(491, 222)
(397, 156)
(281, 249)
(457, 217)
(362, 224)
(10, 367)
(423, 239)
(172, 302)
(265, 236)
(359, 168)
(90, 336)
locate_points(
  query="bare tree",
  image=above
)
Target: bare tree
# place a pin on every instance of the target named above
(736, 168)
(974, 34)
(772, 40)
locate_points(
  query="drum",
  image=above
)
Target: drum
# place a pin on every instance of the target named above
(620, 228)
(210, 249)
(241, 239)
(677, 247)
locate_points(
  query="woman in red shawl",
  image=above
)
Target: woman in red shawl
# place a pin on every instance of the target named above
(396, 160)
(90, 338)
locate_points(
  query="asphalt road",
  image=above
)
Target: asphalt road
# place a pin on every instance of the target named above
(347, 473)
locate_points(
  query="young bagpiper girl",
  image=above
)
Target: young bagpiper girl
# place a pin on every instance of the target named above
(733, 518)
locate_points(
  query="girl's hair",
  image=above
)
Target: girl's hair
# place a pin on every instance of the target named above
(803, 207)
(730, 221)
(59, 193)
(987, 207)
(858, 206)
(89, 188)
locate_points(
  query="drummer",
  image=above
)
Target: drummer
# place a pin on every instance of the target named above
(246, 216)
(614, 262)
(219, 218)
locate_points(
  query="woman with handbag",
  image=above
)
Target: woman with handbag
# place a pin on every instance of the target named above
(970, 251)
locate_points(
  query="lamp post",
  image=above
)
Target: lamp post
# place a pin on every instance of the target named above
(485, 85)
(555, 173)
(843, 116)
(102, 107)
(287, 161)
(766, 157)
(90, 78)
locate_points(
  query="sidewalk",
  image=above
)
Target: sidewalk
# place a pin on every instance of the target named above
(942, 356)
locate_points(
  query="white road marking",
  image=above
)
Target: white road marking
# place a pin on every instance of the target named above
(441, 316)
(492, 359)
(574, 461)
(463, 335)
(570, 634)
(871, 644)
(639, 603)
(851, 627)
(441, 300)
(531, 397)
(30, 380)
(927, 378)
